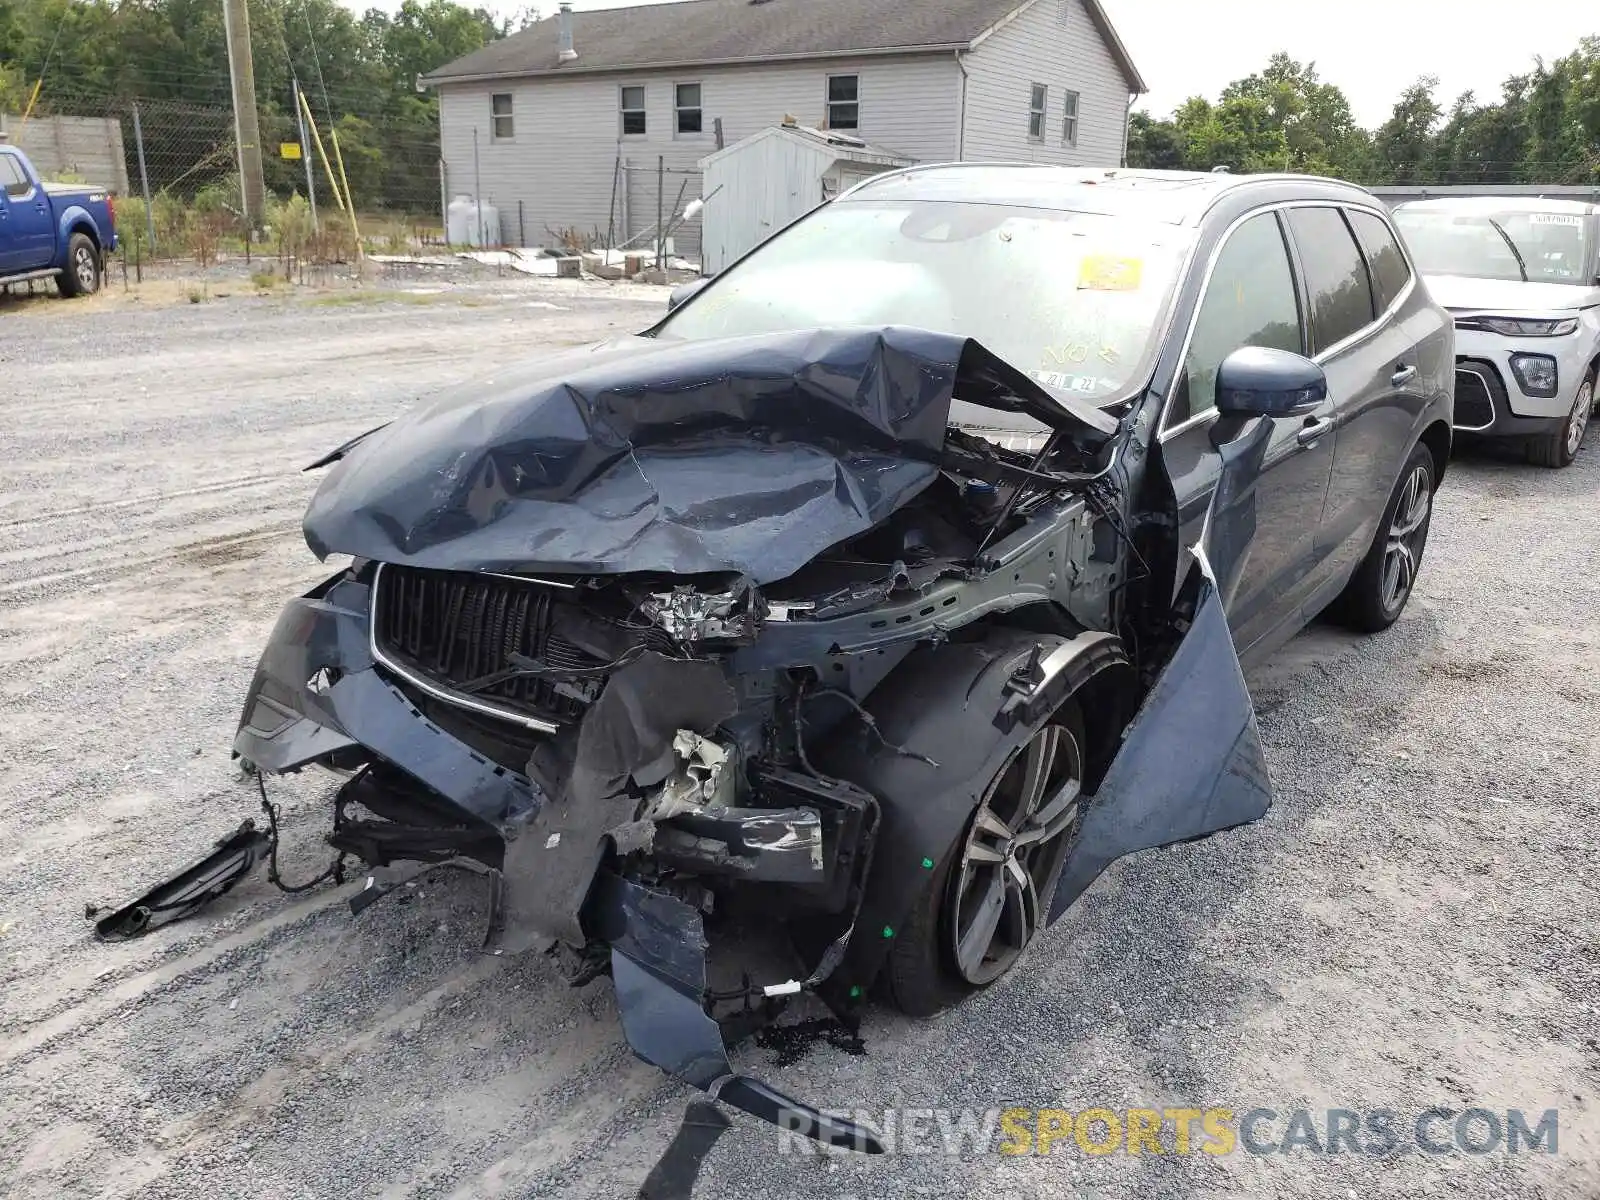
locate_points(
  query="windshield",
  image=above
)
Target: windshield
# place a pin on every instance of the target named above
(1539, 247)
(1076, 300)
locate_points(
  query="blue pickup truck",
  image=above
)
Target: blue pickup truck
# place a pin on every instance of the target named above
(54, 231)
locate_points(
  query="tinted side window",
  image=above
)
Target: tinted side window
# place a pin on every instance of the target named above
(12, 179)
(1250, 301)
(1336, 276)
(1389, 270)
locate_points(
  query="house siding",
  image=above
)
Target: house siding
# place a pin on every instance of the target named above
(559, 166)
(1056, 43)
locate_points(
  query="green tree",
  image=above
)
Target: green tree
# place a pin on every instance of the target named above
(1404, 144)
(425, 34)
(1319, 131)
(1153, 144)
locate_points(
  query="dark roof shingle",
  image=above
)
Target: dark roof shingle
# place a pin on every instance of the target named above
(727, 31)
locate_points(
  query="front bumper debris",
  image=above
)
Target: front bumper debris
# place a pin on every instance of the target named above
(187, 892)
(658, 963)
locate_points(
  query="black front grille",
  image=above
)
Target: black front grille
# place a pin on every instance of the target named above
(1477, 383)
(454, 628)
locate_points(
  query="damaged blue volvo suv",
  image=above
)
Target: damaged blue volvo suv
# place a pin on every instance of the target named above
(881, 595)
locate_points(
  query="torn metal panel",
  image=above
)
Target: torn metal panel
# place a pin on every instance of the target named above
(690, 615)
(747, 456)
(771, 845)
(1191, 762)
(702, 777)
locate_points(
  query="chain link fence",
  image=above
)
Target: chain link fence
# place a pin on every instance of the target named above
(652, 202)
(173, 167)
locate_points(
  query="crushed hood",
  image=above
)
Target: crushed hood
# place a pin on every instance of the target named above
(750, 455)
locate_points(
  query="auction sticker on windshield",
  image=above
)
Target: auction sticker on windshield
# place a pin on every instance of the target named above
(1108, 273)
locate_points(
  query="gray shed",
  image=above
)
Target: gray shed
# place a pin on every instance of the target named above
(758, 185)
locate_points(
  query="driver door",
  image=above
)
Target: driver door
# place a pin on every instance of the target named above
(1264, 559)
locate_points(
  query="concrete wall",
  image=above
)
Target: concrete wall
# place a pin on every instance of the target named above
(567, 132)
(90, 147)
(1056, 43)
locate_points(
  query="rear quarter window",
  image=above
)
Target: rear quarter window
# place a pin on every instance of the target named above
(1390, 271)
(12, 180)
(1336, 275)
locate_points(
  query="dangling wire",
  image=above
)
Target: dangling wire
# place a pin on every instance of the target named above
(334, 872)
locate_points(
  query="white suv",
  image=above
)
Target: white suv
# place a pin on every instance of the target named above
(1521, 277)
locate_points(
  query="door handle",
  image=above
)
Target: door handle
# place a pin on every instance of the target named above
(1313, 429)
(1402, 375)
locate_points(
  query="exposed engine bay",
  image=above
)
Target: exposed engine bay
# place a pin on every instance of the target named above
(667, 638)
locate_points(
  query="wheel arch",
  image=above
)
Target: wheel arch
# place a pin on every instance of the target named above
(77, 220)
(965, 705)
(1437, 438)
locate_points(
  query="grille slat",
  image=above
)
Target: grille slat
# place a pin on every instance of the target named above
(454, 627)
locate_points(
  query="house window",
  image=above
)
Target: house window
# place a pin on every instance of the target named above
(844, 102)
(686, 101)
(1069, 120)
(500, 106)
(1036, 107)
(633, 122)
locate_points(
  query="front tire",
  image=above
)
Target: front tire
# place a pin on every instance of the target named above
(1376, 595)
(82, 274)
(990, 893)
(1558, 449)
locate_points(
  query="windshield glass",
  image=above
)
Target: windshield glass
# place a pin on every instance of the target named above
(1076, 300)
(1540, 247)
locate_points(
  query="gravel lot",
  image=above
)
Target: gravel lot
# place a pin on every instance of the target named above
(1415, 924)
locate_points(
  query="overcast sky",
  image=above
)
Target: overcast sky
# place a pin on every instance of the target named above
(1370, 48)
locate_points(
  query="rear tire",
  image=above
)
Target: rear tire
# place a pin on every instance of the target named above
(82, 274)
(927, 971)
(1377, 593)
(1558, 449)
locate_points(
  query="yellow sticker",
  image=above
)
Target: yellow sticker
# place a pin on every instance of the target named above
(288, 149)
(1108, 273)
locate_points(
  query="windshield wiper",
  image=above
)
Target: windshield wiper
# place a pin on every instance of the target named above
(1517, 254)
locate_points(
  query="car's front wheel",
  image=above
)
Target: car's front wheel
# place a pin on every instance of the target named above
(1377, 593)
(991, 892)
(1558, 449)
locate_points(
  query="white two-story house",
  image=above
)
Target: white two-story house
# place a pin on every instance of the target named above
(583, 120)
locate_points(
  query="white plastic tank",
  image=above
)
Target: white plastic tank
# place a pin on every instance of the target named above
(470, 224)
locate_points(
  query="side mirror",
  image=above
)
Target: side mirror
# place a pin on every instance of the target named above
(684, 290)
(1256, 381)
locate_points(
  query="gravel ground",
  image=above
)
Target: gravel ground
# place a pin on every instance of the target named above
(1415, 923)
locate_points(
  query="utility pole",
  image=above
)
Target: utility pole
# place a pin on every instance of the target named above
(305, 153)
(246, 124)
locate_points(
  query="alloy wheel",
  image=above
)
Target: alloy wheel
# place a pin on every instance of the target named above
(1407, 532)
(83, 267)
(1578, 421)
(1015, 846)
